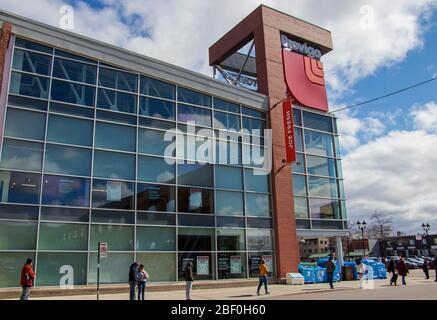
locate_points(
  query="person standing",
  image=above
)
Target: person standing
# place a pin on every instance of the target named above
(435, 267)
(330, 269)
(263, 279)
(392, 269)
(188, 275)
(402, 270)
(27, 279)
(425, 268)
(142, 277)
(133, 270)
(360, 271)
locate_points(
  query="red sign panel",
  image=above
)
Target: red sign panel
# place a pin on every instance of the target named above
(305, 80)
(290, 147)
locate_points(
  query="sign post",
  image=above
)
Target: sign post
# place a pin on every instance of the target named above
(103, 253)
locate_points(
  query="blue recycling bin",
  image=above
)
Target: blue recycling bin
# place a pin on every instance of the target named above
(308, 273)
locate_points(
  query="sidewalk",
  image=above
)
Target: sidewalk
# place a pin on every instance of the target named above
(416, 278)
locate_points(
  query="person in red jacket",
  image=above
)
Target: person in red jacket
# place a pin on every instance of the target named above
(402, 270)
(27, 278)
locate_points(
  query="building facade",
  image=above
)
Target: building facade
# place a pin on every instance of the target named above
(167, 166)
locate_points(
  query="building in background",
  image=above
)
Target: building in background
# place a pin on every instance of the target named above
(406, 246)
(84, 156)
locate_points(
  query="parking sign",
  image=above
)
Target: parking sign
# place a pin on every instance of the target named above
(103, 249)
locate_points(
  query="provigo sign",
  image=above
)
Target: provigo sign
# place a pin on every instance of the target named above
(301, 48)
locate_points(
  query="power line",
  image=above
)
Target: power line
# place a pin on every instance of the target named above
(387, 95)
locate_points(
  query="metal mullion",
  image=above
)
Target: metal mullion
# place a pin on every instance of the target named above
(89, 249)
(177, 185)
(136, 165)
(43, 167)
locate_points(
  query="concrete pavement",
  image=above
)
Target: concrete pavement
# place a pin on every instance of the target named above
(417, 287)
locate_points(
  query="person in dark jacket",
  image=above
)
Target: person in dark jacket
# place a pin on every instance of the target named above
(425, 268)
(392, 269)
(133, 270)
(188, 275)
(27, 279)
(435, 267)
(330, 268)
(402, 270)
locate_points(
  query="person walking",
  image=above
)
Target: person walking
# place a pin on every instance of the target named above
(263, 280)
(425, 268)
(188, 275)
(142, 277)
(330, 269)
(435, 267)
(27, 279)
(402, 270)
(391, 268)
(133, 270)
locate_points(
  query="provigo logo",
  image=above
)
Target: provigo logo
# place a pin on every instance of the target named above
(301, 48)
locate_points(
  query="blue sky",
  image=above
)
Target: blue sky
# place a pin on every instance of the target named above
(389, 146)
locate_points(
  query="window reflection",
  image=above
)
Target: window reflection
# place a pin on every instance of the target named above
(319, 143)
(22, 155)
(195, 200)
(152, 197)
(17, 187)
(66, 191)
(113, 194)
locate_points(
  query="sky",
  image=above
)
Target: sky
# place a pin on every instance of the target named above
(389, 147)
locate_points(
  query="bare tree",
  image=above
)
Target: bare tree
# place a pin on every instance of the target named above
(380, 228)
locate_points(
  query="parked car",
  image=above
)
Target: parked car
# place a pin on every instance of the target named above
(411, 263)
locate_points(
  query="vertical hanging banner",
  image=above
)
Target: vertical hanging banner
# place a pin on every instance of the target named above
(290, 147)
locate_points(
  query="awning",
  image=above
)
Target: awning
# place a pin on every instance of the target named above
(318, 255)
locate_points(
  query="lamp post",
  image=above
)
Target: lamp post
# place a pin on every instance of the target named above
(425, 228)
(362, 227)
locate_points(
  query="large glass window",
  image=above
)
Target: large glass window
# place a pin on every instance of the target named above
(117, 79)
(228, 152)
(17, 235)
(25, 124)
(195, 200)
(112, 217)
(157, 88)
(31, 62)
(68, 160)
(195, 175)
(203, 265)
(113, 136)
(301, 207)
(66, 191)
(226, 105)
(259, 239)
(299, 185)
(69, 55)
(317, 121)
(74, 71)
(228, 178)
(153, 142)
(201, 117)
(193, 97)
(15, 212)
(153, 197)
(257, 180)
(321, 166)
(29, 85)
(229, 203)
(156, 239)
(298, 139)
(112, 269)
(157, 108)
(230, 239)
(323, 187)
(23, 43)
(231, 265)
(114, 165)
(119, 238)
(50, 264)
(196, 239)
(17, 187)
(64, 214)
(62, 236)
(73, 93)
(10, 267)
(253, 126)
(324, 209)
(22, 155)
(70, 130)
(226, 121)
(257, 205)
(319, 143)
(161, 266)
(154, 169)
(113, 194)
(117, 101)
(299, 165)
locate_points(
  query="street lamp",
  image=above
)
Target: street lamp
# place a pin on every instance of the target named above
(425, 228)
(362, 227)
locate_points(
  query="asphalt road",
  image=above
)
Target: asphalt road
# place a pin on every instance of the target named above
(424, 291)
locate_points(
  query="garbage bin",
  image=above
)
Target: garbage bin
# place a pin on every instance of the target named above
(348, 273)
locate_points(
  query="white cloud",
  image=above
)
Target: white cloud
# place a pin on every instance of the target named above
(425, 117)
(180, 32)
(395, 174)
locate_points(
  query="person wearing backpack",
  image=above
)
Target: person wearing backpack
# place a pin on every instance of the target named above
(142, 277)
(27, 279)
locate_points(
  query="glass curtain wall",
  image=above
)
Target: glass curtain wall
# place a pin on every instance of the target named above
(84, 160)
